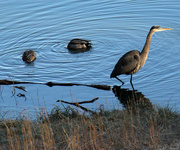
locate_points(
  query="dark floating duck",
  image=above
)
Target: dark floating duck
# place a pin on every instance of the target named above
(79, 44)
(29, 56)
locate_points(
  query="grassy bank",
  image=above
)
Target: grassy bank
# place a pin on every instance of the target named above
(156, 128)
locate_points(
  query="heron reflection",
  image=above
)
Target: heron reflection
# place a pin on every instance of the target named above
(131, 98)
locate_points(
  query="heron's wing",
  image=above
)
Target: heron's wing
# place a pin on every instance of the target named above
(127, 64)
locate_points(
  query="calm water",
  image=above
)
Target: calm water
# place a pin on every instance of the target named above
(114, 27)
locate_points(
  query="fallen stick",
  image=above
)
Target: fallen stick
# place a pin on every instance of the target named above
(98, 86)
(83, 102)
(50, 84)
(8, 82)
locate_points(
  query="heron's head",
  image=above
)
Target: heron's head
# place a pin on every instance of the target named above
(158, 28)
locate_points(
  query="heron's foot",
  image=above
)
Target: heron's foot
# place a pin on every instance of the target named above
(122, 84)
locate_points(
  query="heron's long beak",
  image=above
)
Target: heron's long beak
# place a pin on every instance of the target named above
(163, 29)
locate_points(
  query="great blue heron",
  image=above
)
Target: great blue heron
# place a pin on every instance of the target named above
(29, 56)
(78, 44)
(132, 61)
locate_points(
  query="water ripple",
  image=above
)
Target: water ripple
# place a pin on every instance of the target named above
(113, 27)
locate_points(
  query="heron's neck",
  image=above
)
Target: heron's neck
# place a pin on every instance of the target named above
(145, 50)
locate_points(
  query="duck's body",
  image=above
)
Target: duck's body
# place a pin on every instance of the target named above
(29, 56)
(78, 44)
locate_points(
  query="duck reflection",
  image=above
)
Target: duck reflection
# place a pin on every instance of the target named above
(79, 51)
(132, 98)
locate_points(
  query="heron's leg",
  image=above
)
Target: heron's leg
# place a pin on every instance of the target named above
(119, 80)
(131, 82)
(134, 94)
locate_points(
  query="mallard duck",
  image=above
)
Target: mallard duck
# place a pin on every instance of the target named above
(79, 44)
(29, 56)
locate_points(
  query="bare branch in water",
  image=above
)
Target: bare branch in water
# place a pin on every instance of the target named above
(83, 102)
(50, 84)
(21, 88)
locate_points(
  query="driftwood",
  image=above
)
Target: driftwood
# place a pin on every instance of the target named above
(98, 86)
(21, 88)
(50, 84)
(83, 102)
(8, 82)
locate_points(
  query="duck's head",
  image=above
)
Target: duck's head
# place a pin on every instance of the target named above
(29, 56)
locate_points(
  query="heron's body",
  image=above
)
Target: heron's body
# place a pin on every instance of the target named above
(127, 64)
(132, 61)
(77, 44)
(29, 56)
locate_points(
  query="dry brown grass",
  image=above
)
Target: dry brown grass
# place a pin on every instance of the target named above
(117, 129)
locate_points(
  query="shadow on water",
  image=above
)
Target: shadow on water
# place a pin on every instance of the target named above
(29, 64)
(131, 98)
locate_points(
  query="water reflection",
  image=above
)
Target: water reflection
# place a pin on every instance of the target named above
(131, 98)
(79, 50)
(114, 28)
